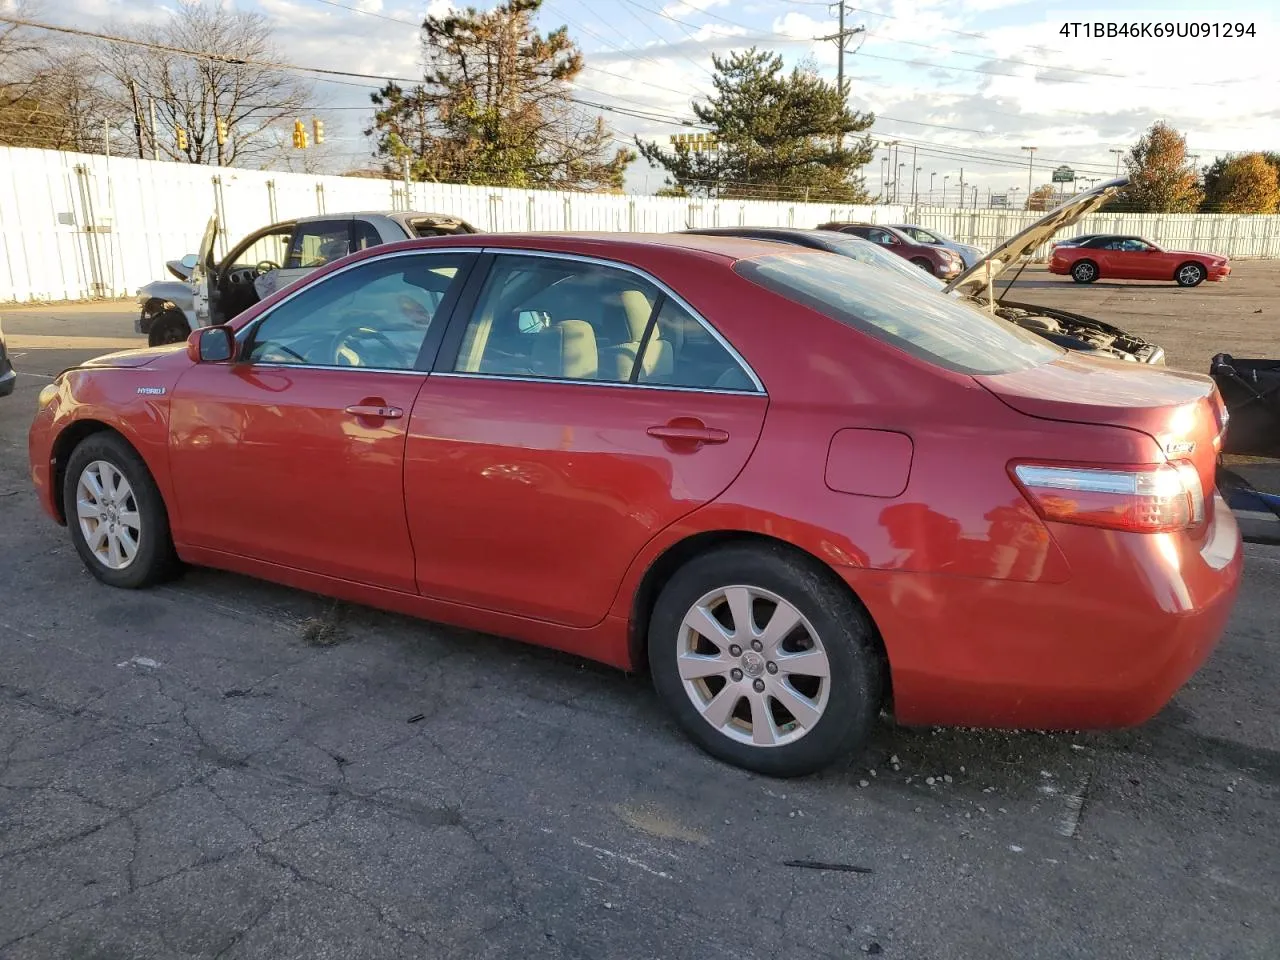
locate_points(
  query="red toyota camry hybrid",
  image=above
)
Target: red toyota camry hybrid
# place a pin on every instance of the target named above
(798, 488)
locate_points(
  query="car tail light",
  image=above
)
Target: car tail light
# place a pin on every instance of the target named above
(1148, 499)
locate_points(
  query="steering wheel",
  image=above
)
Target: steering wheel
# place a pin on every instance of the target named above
(265, 266)
(361, 333)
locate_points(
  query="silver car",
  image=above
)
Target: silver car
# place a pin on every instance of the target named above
(209, 291)
(968, 252)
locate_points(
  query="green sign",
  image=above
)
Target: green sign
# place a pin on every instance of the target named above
(1064, 175)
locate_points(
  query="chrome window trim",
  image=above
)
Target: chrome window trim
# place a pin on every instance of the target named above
(649, 278)
(520, 378)
(243, 333)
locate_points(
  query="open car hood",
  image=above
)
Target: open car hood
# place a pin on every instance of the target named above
(973, 282)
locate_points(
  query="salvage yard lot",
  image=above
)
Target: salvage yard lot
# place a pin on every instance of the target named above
(221, 767)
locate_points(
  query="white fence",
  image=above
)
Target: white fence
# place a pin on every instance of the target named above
(78, 226)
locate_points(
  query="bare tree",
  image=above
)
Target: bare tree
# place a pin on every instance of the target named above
(49, 95)
(190, 94)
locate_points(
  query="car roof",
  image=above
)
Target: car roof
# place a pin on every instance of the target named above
(357, 214)
(607, 245)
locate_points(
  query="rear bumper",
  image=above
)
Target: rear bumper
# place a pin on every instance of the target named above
(1109, 648)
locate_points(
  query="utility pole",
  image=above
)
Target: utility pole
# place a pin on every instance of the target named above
(841, 40)
(914, 172)
(1031, 152)
(155, 144)
(106, 138)
(137, 116)
(962, 188)
(1119, 154)
(932, 174)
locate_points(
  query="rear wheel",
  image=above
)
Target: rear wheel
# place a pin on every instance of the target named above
(116, 515)
(764, 662)
(1189, 275)
(923, 264)
(1086, 271)
(169, 327)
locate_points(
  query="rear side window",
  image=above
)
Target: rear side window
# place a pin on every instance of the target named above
(319, 242)
(939, 329)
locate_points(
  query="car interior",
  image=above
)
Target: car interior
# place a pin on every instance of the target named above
(567, 321)
(233, 290)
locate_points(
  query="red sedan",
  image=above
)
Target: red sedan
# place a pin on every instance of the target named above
(943, 263)
(798, 488)
(1132, 258)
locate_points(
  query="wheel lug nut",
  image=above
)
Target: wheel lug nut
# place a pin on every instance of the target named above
(758, 685)
(771, 667)
(757, 646)
(735, 650)
(736, 674)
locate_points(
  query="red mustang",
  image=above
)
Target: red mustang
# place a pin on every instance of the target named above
(797, 487)
(1132, 258)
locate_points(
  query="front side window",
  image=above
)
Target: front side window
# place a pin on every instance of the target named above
(941, 330)
(319, 242)
(376, 314)
(270, 248)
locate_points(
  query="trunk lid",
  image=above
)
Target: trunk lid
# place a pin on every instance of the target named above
(1181, 411)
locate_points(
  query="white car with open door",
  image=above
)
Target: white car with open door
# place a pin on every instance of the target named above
(210, 291)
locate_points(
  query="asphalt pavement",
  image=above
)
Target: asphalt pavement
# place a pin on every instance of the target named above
(225, 768)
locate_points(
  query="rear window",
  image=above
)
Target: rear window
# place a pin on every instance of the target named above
(437, 228)
(940, 329)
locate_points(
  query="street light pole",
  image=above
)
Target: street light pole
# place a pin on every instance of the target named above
(1119, 154)
(932, 174)
(897, 183)
(1031, 159)
(914, 170)
(944, 189)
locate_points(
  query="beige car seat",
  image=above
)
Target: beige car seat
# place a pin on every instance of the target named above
(567, 350)
(658, 363)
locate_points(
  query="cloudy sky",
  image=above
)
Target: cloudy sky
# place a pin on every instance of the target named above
(965, 84)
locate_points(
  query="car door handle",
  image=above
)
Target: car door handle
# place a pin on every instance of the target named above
(372, 411)
(694, 432)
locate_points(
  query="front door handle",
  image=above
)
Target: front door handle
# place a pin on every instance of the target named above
(688, 431)
(374, 412)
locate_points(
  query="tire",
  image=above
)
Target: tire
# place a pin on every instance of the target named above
(924, 265)
(1189, 275)
(169, 327)
(100, 457)
(1085, 271)
(840, 709)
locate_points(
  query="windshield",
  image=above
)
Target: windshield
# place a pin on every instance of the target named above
(942, 330)
(865, 251)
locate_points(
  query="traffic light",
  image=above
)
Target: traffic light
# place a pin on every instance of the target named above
(182, 140)
(299, 135)
(317, 128)
(221, 125)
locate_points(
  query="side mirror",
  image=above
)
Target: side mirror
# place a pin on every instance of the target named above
(190, 261)
(212, 345)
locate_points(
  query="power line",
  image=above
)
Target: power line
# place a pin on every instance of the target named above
(417, 24)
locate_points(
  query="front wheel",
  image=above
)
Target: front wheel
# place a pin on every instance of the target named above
(764, 662)
(1190, 275)
(117, 518)
(924, 265)
(171, 327)
(1086, 271)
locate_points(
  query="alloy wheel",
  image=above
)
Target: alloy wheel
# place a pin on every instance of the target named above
(107, 511)
(1085, 271)
(1189, 275)
(753, 666)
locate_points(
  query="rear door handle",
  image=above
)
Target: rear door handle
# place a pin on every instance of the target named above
(680, 433)
(375, 412)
